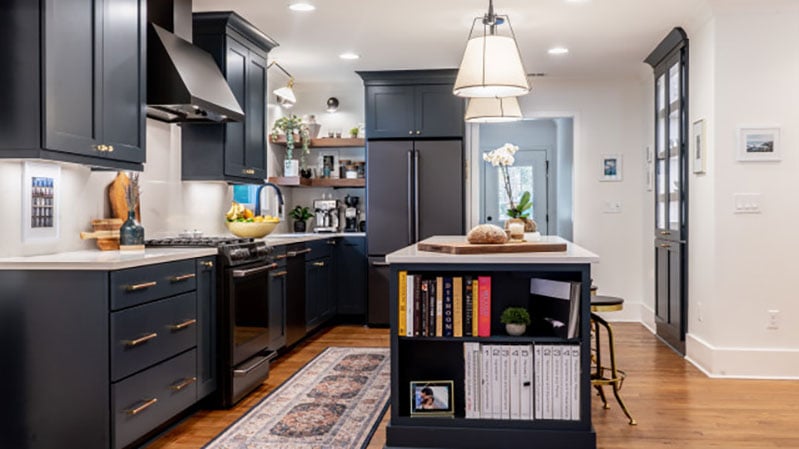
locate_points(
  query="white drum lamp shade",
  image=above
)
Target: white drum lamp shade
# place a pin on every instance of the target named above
(493, 110)
(491, 67)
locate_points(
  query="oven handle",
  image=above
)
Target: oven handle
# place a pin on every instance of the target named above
(297, 253)
(249, 369)
(253, 271)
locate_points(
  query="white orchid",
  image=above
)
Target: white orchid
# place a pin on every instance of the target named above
(502, 157)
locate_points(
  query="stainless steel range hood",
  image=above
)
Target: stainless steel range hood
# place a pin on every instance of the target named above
(184, 84)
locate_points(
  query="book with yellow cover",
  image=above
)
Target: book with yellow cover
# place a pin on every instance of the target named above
(457, 306)
(475, 309)
(402, 298)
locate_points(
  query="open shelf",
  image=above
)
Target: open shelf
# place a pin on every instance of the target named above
(297, 181)
(324, 142)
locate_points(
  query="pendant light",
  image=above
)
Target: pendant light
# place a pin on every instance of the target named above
(493, 110)
(285, 95)
(491, 64)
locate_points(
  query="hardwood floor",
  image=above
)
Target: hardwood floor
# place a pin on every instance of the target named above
(676, 405)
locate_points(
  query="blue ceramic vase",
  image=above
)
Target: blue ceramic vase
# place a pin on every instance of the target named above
(131, 234)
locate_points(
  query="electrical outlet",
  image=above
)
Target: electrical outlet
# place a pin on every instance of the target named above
(773, 319)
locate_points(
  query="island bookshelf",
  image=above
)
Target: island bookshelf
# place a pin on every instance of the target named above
(442, 358)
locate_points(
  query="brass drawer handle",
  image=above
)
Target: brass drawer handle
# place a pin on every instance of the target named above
(142, 286)
(665, 233)
(279, 274)
(101, 148)
(147, 404)
(319, 264)
(282, 256)
(665, 245)
(183, 384)
(418, 132)
(248, 171)
(184, 325)
(183, 277)
(141, 340)
(207, 264)
(110, 148)
(297, 253)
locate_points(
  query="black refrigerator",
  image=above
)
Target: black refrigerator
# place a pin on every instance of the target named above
(414, 190)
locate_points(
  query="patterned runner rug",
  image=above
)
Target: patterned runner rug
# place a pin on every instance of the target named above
(334, 402)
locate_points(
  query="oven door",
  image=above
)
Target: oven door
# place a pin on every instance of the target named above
(249, 302)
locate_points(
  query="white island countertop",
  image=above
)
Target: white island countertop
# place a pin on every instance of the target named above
(573, 254)
(103, 260)
(299, 237)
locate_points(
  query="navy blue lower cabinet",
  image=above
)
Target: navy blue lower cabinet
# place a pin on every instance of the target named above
(351, 276)
(206, 325)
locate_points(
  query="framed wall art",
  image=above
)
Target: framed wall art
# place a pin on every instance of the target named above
(611, 167)
(699, 147)
(759, 144)
(41, 185)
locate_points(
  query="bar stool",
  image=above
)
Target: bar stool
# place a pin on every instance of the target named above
(607, 375)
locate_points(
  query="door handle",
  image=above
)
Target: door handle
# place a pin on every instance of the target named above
(207, 264)
(279, 274)
(319, 264)
(253, 271)
(183, 325)
(416, 192)
(380, 264)
(297, 253)
(410, 196)
(183, 277)
(665, 233)
(183, 384)
(665, 245)
(147, 404)
(142, 286)
(140, 340)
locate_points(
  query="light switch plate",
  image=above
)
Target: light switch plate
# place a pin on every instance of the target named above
(747, 203)
(612, 207)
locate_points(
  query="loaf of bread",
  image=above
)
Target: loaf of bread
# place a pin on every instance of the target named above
(487, 233)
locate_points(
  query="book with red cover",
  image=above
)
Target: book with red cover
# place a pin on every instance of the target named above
(484, 306)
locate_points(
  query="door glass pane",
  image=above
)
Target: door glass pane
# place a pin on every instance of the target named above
(661, 116)
(521, 180)
(675, 133)
(660, 177)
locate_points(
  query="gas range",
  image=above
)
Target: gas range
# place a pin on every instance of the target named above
(233, 251)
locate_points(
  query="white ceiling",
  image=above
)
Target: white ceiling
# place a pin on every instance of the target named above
(605, 37)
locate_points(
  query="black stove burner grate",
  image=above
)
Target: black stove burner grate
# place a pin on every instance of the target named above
(206, 242)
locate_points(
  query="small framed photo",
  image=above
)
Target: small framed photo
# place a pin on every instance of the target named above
(699, 147)
(432, 398)
(328, 164)
(611, 167)
(759, 144)
(41, 185)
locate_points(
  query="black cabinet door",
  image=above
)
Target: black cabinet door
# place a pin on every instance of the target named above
(377, 309)
(438, 200)
(390, 112)
(389, 196)
(277, 308)
(318, 293)
(123, 81)
(72, 63)
(206, 324)
(295, 293)
(669, 311)
(438, 113)
(255, 118)
(235, 133)
(351, 276)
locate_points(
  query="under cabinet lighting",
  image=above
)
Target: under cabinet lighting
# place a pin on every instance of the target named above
(349, 55)
(558, 51)
(303, 7)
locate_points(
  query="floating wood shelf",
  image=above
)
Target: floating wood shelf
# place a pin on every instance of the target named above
(324, 142)
(296, 181)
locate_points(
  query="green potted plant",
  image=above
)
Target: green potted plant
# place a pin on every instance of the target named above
(290, 125)
(300, 214)
(515, 319)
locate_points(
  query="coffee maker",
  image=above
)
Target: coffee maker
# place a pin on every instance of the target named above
(351, 213)
(326, 217)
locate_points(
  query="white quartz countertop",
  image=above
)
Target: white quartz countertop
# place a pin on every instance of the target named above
(287, 239)
(103, 260)
(573, 254)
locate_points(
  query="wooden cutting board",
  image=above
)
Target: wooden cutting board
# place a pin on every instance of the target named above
(116, 196)
(470, 248)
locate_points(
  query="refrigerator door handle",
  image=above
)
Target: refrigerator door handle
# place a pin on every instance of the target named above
(416, 193)
(411, 211)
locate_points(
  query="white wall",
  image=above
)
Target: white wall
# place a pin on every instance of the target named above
(742, 265)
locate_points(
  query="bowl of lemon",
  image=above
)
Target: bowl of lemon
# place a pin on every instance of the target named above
(242, 222)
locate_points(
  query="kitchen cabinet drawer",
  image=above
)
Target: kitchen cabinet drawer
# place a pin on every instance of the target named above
(144, 335)
(321, 248)
(142, 284)
(144, 401)
(279, 255)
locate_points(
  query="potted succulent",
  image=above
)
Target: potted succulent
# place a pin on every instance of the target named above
(300, 214)
(515, 319)
(291, 125)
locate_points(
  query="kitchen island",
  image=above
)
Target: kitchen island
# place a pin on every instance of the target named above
(558, 407)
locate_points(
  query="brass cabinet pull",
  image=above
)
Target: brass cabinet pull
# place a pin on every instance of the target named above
(147, 404)
(183, 384)
(319, 264)
(665, 245)
(297, 253)
(184, 325)
(101, 148)
(418, 132)
(207, 264)
(665, 233)
(279, 274)
(110, 148)
(281, 256)
(183, 277)
(410, 132)
(140, 340)
(142, 286)
(248, 171)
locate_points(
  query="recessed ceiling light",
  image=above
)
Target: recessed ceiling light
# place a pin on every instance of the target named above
(349, 55)
(558, 51)
(302, 7)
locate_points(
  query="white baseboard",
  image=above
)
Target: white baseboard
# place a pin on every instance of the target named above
(742, 363)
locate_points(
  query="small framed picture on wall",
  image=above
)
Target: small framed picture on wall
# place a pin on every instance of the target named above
(611, 167)
(699, 147)
(41, 185)
(759, 144)
(432, 398)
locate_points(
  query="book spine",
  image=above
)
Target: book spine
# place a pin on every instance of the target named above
(538, 384)
(439, 307)
(409, 306)
(467, 306)
(475, 308)
(485, 383)
(449, 322)
(417, 306)
(526, 382)
(546, 381)
(425, 300)
(471, 359)
(496, 382)
(402, 297)
(566, 371)
(457, 306)
(575, 387)
(431, 325)
(504, 374)
(557, 382)
(515, 383)
(484, 292)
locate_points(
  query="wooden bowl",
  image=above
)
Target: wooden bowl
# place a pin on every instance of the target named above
(251, 229)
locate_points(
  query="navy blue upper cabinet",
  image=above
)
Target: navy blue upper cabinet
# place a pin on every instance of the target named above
(75, 87)
(412, 104)
(235, 151)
